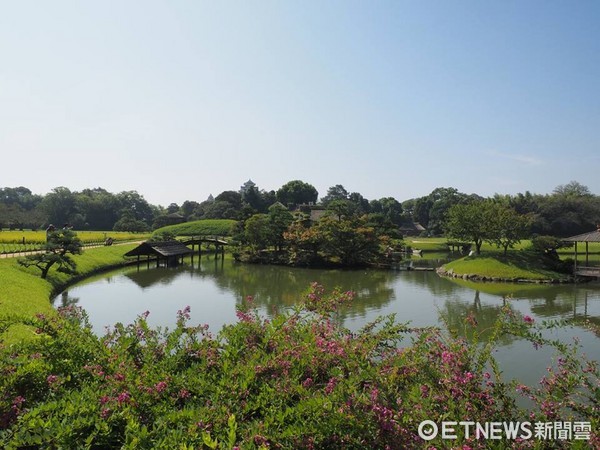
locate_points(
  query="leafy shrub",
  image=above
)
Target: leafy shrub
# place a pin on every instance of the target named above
(548, 245)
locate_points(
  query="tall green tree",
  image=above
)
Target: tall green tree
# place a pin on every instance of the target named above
(508, 227)
(59, 205)
(98, 207)
(280, 219)
(391, 209)
(337, 192)
(297, 192)
(351, 242)
(471, 222)
(341, 208)
(257, 232)
(131, 202)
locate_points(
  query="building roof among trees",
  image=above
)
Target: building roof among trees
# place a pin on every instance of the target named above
(414, 226)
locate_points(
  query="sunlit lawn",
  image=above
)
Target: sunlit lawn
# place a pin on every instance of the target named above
(439, 244)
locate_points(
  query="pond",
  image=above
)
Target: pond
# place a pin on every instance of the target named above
(213, 288)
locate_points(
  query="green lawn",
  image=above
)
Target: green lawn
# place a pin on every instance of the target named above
(439, 244)
(516, 265)
(23, 293)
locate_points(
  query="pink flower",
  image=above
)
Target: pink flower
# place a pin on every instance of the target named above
(184, 393)
(160, 386)
(18, 401)
(124, 397)
(447, 357)
(330, 385)
(119, 376)
(528, 320)
(52, 379)
(307, 383)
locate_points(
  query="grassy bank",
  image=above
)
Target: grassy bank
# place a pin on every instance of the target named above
(516, 265)
(23, 294)
(206, 227)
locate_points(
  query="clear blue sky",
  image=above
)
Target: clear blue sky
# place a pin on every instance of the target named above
(180, 99)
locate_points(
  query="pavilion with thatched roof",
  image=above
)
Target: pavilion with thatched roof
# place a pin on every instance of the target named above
(587, 270)
(170, 252)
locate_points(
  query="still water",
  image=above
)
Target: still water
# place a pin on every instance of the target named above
(213, 288)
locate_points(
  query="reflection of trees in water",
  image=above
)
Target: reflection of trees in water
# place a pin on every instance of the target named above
(279, 286)
(578, 311)
(572, 304)
(456, 311)
(438, 286)
(65, 300)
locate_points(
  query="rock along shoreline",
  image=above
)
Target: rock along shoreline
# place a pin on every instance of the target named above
(441, 271)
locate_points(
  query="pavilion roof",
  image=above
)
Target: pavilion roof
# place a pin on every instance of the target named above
(592, 236)
(164, 248)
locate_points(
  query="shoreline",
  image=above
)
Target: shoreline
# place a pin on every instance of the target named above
(442, 272)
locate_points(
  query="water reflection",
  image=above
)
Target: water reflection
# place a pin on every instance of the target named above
(65, 300)
(455, 313)
(214, 286)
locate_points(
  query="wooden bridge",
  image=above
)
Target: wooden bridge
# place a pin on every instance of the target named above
(197, 240)
(217, 241)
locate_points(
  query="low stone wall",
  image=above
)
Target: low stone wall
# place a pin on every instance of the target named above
(441, 271)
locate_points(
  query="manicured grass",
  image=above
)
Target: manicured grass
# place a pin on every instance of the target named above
(23, 294)
(516, 265)
(439, 244)
(206, 227)
(427, 244)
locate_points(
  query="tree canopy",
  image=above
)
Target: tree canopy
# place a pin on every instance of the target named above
(568, 210)
(297, 192)
(487, 221)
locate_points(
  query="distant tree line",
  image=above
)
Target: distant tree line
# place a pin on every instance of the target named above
(570, 209)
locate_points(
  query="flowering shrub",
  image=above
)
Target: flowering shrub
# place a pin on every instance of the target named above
(298, 380)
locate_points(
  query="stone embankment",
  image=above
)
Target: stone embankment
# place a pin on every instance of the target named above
(441, 271)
